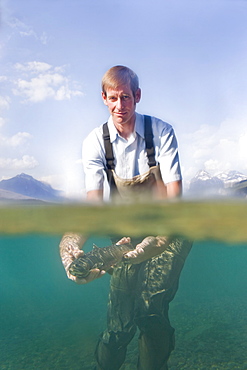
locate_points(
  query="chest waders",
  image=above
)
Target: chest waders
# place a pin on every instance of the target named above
(136, 188)
(140, 294)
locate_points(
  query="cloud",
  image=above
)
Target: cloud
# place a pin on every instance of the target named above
(12, 144)
(3, 78)
(37, 67)
(4, 102)
(16, 140)
(215, 149)
(24, 30)
(48, 83)
(26, 162)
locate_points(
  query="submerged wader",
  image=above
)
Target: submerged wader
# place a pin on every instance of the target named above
(140, 294)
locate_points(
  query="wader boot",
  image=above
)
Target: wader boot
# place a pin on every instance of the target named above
(109, 357)
(156, 342)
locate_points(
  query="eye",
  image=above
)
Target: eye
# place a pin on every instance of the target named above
(112, 98)
(125, 97)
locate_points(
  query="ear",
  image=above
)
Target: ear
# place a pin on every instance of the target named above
(104, 97)
(138, 95)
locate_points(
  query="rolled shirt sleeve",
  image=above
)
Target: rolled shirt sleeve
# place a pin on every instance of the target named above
(166, 151)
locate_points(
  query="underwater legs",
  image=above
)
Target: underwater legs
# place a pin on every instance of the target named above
(156, 342)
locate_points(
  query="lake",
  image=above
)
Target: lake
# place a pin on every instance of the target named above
(49, 322)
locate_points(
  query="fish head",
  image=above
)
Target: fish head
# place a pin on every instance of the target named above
(79, 268)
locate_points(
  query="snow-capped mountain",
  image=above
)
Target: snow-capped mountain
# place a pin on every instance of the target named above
(231, 178)
(232, 183)
(205, 184)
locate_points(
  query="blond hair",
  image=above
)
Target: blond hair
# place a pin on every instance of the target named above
(120, 75)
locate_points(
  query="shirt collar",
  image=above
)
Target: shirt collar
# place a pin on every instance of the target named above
(139, 127)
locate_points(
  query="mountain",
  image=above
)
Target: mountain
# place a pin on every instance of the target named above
(24, 188)
(11, 197)
(27, 186)
(232, 183)
(204, 182)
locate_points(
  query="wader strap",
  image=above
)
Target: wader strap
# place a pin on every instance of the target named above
(148, 134)
(108, 148)
(109, 158)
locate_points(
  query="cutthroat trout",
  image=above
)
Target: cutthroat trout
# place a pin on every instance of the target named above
(100, 258)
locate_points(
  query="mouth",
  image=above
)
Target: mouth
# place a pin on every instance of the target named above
(120, 114)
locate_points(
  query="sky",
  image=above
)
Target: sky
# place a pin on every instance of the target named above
(190, 56)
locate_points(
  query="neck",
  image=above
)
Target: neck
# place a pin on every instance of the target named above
(126, 129)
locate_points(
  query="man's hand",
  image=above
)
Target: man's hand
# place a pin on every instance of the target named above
(124, 240)
(70, 249)
(94, 274)
(150, 247)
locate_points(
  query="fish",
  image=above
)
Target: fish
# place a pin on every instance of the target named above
(99, 258)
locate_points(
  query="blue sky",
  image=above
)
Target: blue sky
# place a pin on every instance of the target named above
(190, 56)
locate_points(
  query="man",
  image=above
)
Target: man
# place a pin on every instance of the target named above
(140, 156)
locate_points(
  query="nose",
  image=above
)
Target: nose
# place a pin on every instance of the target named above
(119, 104)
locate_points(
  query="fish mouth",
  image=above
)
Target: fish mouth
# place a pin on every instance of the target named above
(77, 273)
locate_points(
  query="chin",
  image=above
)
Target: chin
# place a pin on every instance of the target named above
(120, 120)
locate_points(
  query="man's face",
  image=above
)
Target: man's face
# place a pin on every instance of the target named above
(122, 103)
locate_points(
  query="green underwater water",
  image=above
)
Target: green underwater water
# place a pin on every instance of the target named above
(49, 322)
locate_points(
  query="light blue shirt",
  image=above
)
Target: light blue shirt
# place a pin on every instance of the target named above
(130, 155)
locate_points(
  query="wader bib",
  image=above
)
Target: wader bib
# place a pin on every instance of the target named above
(136, 188)
(140, 294)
